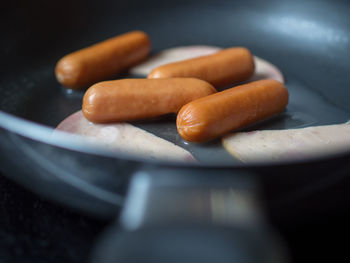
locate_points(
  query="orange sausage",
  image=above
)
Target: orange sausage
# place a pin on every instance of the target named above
(103, 60)
(132, 99)
(225, 67)
(212, 116)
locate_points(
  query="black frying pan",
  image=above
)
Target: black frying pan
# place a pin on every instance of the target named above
(308, 40)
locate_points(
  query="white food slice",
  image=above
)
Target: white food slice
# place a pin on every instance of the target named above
(266, 70)
(292, 144)
(263, 68)
(124, 137)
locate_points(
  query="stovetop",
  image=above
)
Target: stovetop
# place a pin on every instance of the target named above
(33, 229)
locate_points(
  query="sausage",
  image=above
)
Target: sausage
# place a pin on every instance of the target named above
(225, 67)
(132, 99)
(212, 116)
(103, 60)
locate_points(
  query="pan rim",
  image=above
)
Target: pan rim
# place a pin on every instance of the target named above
(41, 133)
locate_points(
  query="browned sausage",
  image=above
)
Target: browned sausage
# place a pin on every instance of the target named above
(131, 99)
(103, 60)
(212, 116)
(225, 67)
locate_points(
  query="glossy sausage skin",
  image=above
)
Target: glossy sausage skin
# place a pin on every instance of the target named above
(132, 99)
(225, 67)
(215, 115)
(103, 60)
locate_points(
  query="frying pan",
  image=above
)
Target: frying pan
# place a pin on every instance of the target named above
(308, 40)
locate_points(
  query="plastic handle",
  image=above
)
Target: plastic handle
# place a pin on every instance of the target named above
(184, 196)
(187, 215)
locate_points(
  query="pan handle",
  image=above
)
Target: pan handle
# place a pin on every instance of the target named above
(184, 215)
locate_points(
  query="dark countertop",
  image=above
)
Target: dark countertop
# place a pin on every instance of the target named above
(33, 229)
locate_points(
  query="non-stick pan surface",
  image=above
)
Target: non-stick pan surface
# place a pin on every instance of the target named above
(308, 40)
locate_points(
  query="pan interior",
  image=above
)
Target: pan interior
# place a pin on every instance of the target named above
(309, 42)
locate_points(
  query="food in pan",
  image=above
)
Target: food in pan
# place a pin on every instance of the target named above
(125, 138)
(172, 55)
(217, 114)
(103, 60)
(292, 144)
(132, 99)
(231, 65)
(204, 117)
(263, 68)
